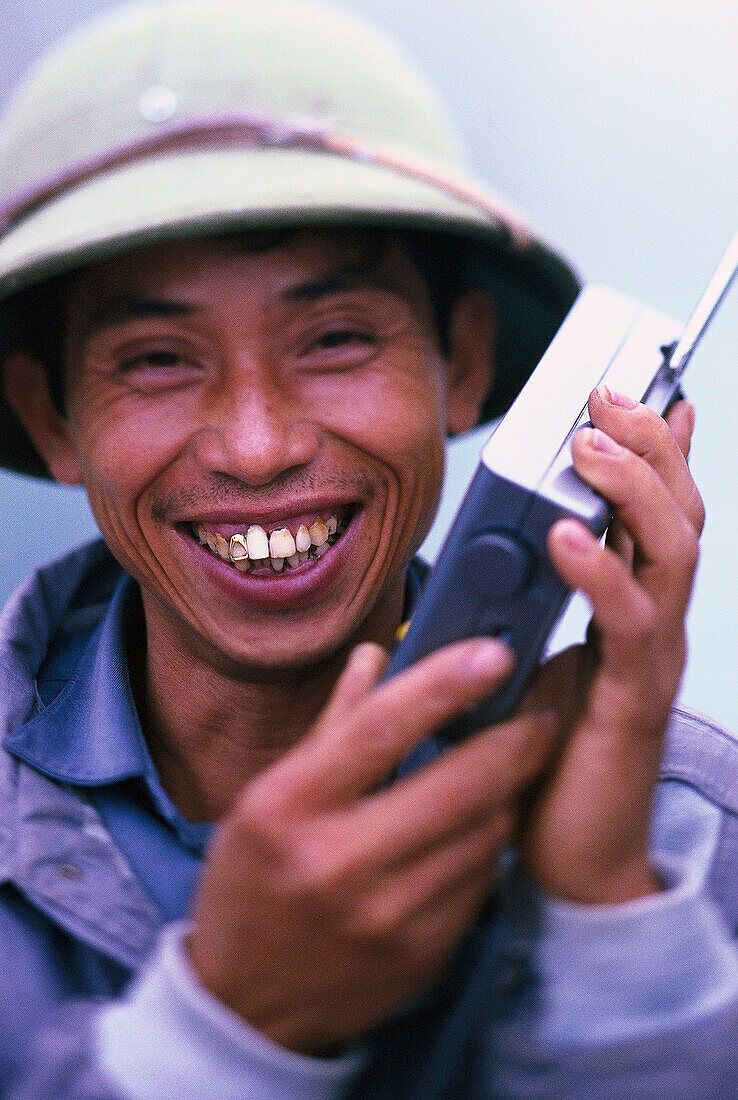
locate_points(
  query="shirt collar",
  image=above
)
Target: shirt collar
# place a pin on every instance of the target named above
(89, 734)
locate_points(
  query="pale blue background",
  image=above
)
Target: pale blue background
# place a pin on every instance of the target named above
(615, 127)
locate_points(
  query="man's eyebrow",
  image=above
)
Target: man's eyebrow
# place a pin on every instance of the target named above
(340, 282)
(127, 308)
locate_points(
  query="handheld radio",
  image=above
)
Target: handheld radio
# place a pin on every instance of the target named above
(493, 575)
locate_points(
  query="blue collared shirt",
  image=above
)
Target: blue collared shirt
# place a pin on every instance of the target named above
(71, 715)
(86, 731)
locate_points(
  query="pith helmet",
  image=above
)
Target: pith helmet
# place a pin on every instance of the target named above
(186, 118)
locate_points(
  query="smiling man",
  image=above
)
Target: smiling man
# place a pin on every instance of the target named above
(288, 395)
(248, 291)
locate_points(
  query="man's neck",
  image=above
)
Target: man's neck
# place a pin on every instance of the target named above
(209, 730)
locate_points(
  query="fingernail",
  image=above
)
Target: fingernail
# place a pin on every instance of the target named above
(574, 536)
(487, 655)
(614, 397)
(362, 656)
(599, 441)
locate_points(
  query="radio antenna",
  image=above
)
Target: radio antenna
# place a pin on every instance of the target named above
(681, 352)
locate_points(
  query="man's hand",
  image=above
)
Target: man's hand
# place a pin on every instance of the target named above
(329, 900)
(587, 835)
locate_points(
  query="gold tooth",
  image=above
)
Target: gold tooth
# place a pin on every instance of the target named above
(257, 542)
(318, 532)
(237, 548)
(281, 543)
(302, 539)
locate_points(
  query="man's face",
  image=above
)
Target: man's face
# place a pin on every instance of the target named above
(214, 389)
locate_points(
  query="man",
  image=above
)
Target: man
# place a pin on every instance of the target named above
(248, 292)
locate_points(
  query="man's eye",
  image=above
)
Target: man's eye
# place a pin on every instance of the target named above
(151, 359)
(338, 338)
(339, 349)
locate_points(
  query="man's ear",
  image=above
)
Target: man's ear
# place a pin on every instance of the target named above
(470, 358)
(26, 389)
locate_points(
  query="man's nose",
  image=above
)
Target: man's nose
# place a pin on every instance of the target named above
(254, 427)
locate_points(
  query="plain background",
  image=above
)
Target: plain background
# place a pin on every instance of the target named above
(614, 126)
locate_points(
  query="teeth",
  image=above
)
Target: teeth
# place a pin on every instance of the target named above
(257, 542)
(281, 544)
(259, 548)
(238, 549)
(318, 532)
(222, 547)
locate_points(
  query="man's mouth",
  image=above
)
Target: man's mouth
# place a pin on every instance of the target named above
(287, 545)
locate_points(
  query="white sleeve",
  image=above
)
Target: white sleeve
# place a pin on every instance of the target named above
(613, 972)
(168, 1037)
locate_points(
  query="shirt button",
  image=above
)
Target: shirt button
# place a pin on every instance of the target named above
(69, 871)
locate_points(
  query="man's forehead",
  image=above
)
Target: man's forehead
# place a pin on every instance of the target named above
(305, 263)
